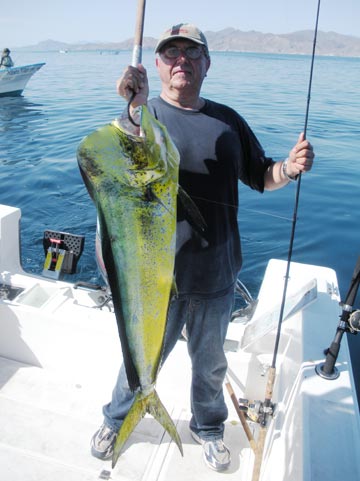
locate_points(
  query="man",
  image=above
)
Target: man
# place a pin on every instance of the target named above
(216, 148)
(6, 60)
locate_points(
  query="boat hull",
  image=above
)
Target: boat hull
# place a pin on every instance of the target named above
(14, 80)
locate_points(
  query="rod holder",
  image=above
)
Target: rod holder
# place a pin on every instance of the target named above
(334, 374)
(327, 369)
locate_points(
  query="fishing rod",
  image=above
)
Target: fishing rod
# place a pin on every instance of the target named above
(267, 407)
(349, 322)
(139, 31)
(297, 196)
(137, 48)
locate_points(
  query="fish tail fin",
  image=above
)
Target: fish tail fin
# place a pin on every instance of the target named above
(133, 417)
(156, 408)
(149, 404)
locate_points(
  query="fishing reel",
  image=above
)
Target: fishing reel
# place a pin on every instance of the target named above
(256, 411)
(354, 322)
(350, 319)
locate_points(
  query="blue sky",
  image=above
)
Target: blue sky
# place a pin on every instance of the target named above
(27, 22)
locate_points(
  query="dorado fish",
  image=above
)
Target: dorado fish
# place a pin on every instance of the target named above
(133, 180)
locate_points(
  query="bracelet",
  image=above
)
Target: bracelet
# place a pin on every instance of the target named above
(284, 169)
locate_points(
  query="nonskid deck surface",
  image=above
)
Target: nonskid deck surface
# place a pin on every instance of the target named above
(60, 361)
(47, 419)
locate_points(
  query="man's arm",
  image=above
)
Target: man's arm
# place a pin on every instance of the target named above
(300, 159)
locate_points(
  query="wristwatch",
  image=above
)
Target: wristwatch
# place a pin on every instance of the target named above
(284, 169)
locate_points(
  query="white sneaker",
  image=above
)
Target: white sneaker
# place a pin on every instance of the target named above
(102, 443)
(216, 454)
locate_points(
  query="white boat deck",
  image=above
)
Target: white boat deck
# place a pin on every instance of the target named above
(48, 413)
(59, 362)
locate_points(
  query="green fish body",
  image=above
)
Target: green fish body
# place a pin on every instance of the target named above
(133, 181)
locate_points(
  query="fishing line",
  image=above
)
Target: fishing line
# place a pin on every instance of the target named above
(241, 207)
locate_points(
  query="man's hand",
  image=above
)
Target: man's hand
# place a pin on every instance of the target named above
(133, 85)
(301, 157)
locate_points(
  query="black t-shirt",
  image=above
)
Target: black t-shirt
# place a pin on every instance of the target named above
(216, 148)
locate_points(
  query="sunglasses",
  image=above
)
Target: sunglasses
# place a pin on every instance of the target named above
(193, 53)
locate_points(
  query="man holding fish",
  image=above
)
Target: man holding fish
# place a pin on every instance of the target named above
(217, 148)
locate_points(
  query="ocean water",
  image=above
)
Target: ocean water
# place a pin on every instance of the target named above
(74, 93)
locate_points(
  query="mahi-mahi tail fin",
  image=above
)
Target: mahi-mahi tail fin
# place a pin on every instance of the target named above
(145, 404)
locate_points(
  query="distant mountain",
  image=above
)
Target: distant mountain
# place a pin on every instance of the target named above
(328, 43)
(231, 39)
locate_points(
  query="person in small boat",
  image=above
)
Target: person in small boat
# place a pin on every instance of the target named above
(217, 148)
(6, 60)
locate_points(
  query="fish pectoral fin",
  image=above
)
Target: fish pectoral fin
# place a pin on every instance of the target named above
(150, 196)
(149, 404)
(156, 408)
(195, 218)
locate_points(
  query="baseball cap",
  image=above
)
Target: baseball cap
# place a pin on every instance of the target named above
(182, 30)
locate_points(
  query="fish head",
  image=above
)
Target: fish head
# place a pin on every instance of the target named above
(149, 155)
(114, 155)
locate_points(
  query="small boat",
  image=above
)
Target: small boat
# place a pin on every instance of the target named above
(13, 80)
(60, 354)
